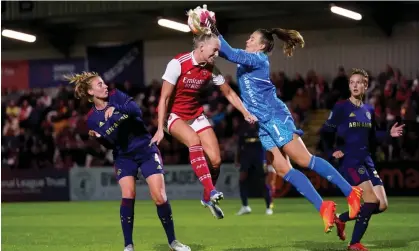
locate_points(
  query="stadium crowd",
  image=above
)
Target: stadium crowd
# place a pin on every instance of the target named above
(46, 128)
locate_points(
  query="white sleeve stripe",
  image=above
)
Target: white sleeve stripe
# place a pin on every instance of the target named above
(184, 58)
(264, 80)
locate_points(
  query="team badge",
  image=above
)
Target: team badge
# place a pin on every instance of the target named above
(368, 114)
(361, 170)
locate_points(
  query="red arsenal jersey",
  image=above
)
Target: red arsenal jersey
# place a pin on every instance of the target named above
(189, 77)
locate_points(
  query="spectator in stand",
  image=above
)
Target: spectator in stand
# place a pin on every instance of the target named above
(12, 109)
(340, 88)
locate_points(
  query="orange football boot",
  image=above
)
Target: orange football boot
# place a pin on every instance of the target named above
(327, 212)
(354, 201)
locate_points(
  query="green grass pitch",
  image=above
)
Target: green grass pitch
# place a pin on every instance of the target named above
(95, 226)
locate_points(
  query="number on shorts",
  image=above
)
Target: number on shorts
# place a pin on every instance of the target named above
(157, 158)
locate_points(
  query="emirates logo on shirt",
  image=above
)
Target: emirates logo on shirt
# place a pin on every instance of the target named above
(193, 83)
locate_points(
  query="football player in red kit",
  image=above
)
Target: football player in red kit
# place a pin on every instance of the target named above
(181, 115)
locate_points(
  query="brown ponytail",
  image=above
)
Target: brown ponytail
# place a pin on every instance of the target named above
(291, 38)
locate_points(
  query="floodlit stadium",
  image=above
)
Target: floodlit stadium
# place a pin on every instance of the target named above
(227, 166)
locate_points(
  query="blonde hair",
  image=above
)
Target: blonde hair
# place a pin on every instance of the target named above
(203, 38)
(362, 72)
(82, 83)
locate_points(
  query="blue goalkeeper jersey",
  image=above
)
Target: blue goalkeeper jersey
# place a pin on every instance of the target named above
(256, 89)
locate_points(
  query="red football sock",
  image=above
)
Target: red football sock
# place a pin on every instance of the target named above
(200, 167)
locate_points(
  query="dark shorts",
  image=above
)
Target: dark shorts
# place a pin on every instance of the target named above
(125, 166)
(357, 175)
(253, 165)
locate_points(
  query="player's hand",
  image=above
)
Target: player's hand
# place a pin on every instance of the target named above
(250, 118)
(109, 112)
(397, 131)
(158, 136)
(94, 134)
(338, 154)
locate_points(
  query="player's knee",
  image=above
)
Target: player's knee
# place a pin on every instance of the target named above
(280, 168)
(160, 199)
(304, 160)
(370, 196)
(383, 206)
(128, 193)
(193, 140)
(216, 162)
(283, 171)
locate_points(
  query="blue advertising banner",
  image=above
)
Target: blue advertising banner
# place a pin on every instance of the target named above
(34, 185)
(118, 64)
(50, 72)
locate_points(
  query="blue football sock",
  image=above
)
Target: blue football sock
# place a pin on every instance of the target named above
(304, 187)
(327, 171)
(127, 219)
(164, 212)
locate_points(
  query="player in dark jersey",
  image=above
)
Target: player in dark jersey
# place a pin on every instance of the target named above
(116, 121)
(250, 156)
(354, 124)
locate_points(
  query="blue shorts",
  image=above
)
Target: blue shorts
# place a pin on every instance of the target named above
(277, 132)
(125, 166)
(358, 174)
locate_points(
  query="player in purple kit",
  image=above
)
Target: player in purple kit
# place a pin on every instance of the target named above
(116, 121)
(354, 124)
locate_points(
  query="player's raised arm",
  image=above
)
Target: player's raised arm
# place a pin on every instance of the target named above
(239, 56)
(252, 55)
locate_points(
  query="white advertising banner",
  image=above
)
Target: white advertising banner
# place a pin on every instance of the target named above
(99, 183)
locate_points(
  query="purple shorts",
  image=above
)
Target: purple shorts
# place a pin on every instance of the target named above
(131, 166)
(358, 174)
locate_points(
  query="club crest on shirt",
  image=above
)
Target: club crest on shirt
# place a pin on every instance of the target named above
(368, 114)
(361, 170)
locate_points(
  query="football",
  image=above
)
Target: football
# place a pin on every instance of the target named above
(194, 20)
